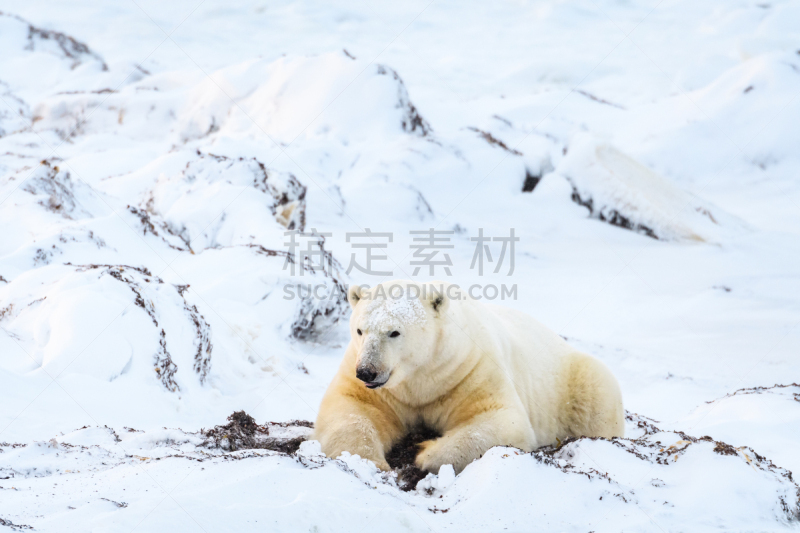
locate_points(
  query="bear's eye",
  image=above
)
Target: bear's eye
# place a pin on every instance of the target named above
(394, 334)
(359, 331)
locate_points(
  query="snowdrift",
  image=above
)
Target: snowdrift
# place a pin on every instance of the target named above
(651, 477)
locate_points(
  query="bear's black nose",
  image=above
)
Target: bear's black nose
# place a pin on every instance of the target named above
(366, 375)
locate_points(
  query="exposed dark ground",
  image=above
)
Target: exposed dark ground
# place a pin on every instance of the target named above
(243, 433)
(402, 455)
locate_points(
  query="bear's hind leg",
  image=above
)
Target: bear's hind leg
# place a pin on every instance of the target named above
(592, 406)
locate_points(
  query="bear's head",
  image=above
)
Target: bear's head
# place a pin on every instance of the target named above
(395, 329)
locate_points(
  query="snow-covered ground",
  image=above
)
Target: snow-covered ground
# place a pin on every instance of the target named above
(153, 155)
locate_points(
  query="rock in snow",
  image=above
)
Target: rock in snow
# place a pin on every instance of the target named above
(619, 190)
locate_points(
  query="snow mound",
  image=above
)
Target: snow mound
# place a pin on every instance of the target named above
(658, 477)
(671, 477)
(56, 191)
(766, 418)
(159, 337)
(194, 202)
(58, 60)
(744, 116)
(288, 99)
(15, 116)
(302, 97)
(619, 190)
(49, 41)
(53, 313)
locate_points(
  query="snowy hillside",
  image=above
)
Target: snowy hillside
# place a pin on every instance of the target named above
(153, 157)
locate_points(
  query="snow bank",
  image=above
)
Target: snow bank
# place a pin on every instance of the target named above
(653, 477)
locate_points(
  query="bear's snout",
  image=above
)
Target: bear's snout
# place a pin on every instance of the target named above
(371, 377)
(366, 374)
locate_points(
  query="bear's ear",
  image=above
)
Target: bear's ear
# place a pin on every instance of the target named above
(437, 300)
(354, 294)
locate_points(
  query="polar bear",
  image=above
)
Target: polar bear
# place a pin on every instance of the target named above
(481, 375)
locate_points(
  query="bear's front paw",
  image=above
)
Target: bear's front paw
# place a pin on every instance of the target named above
(428, 459)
